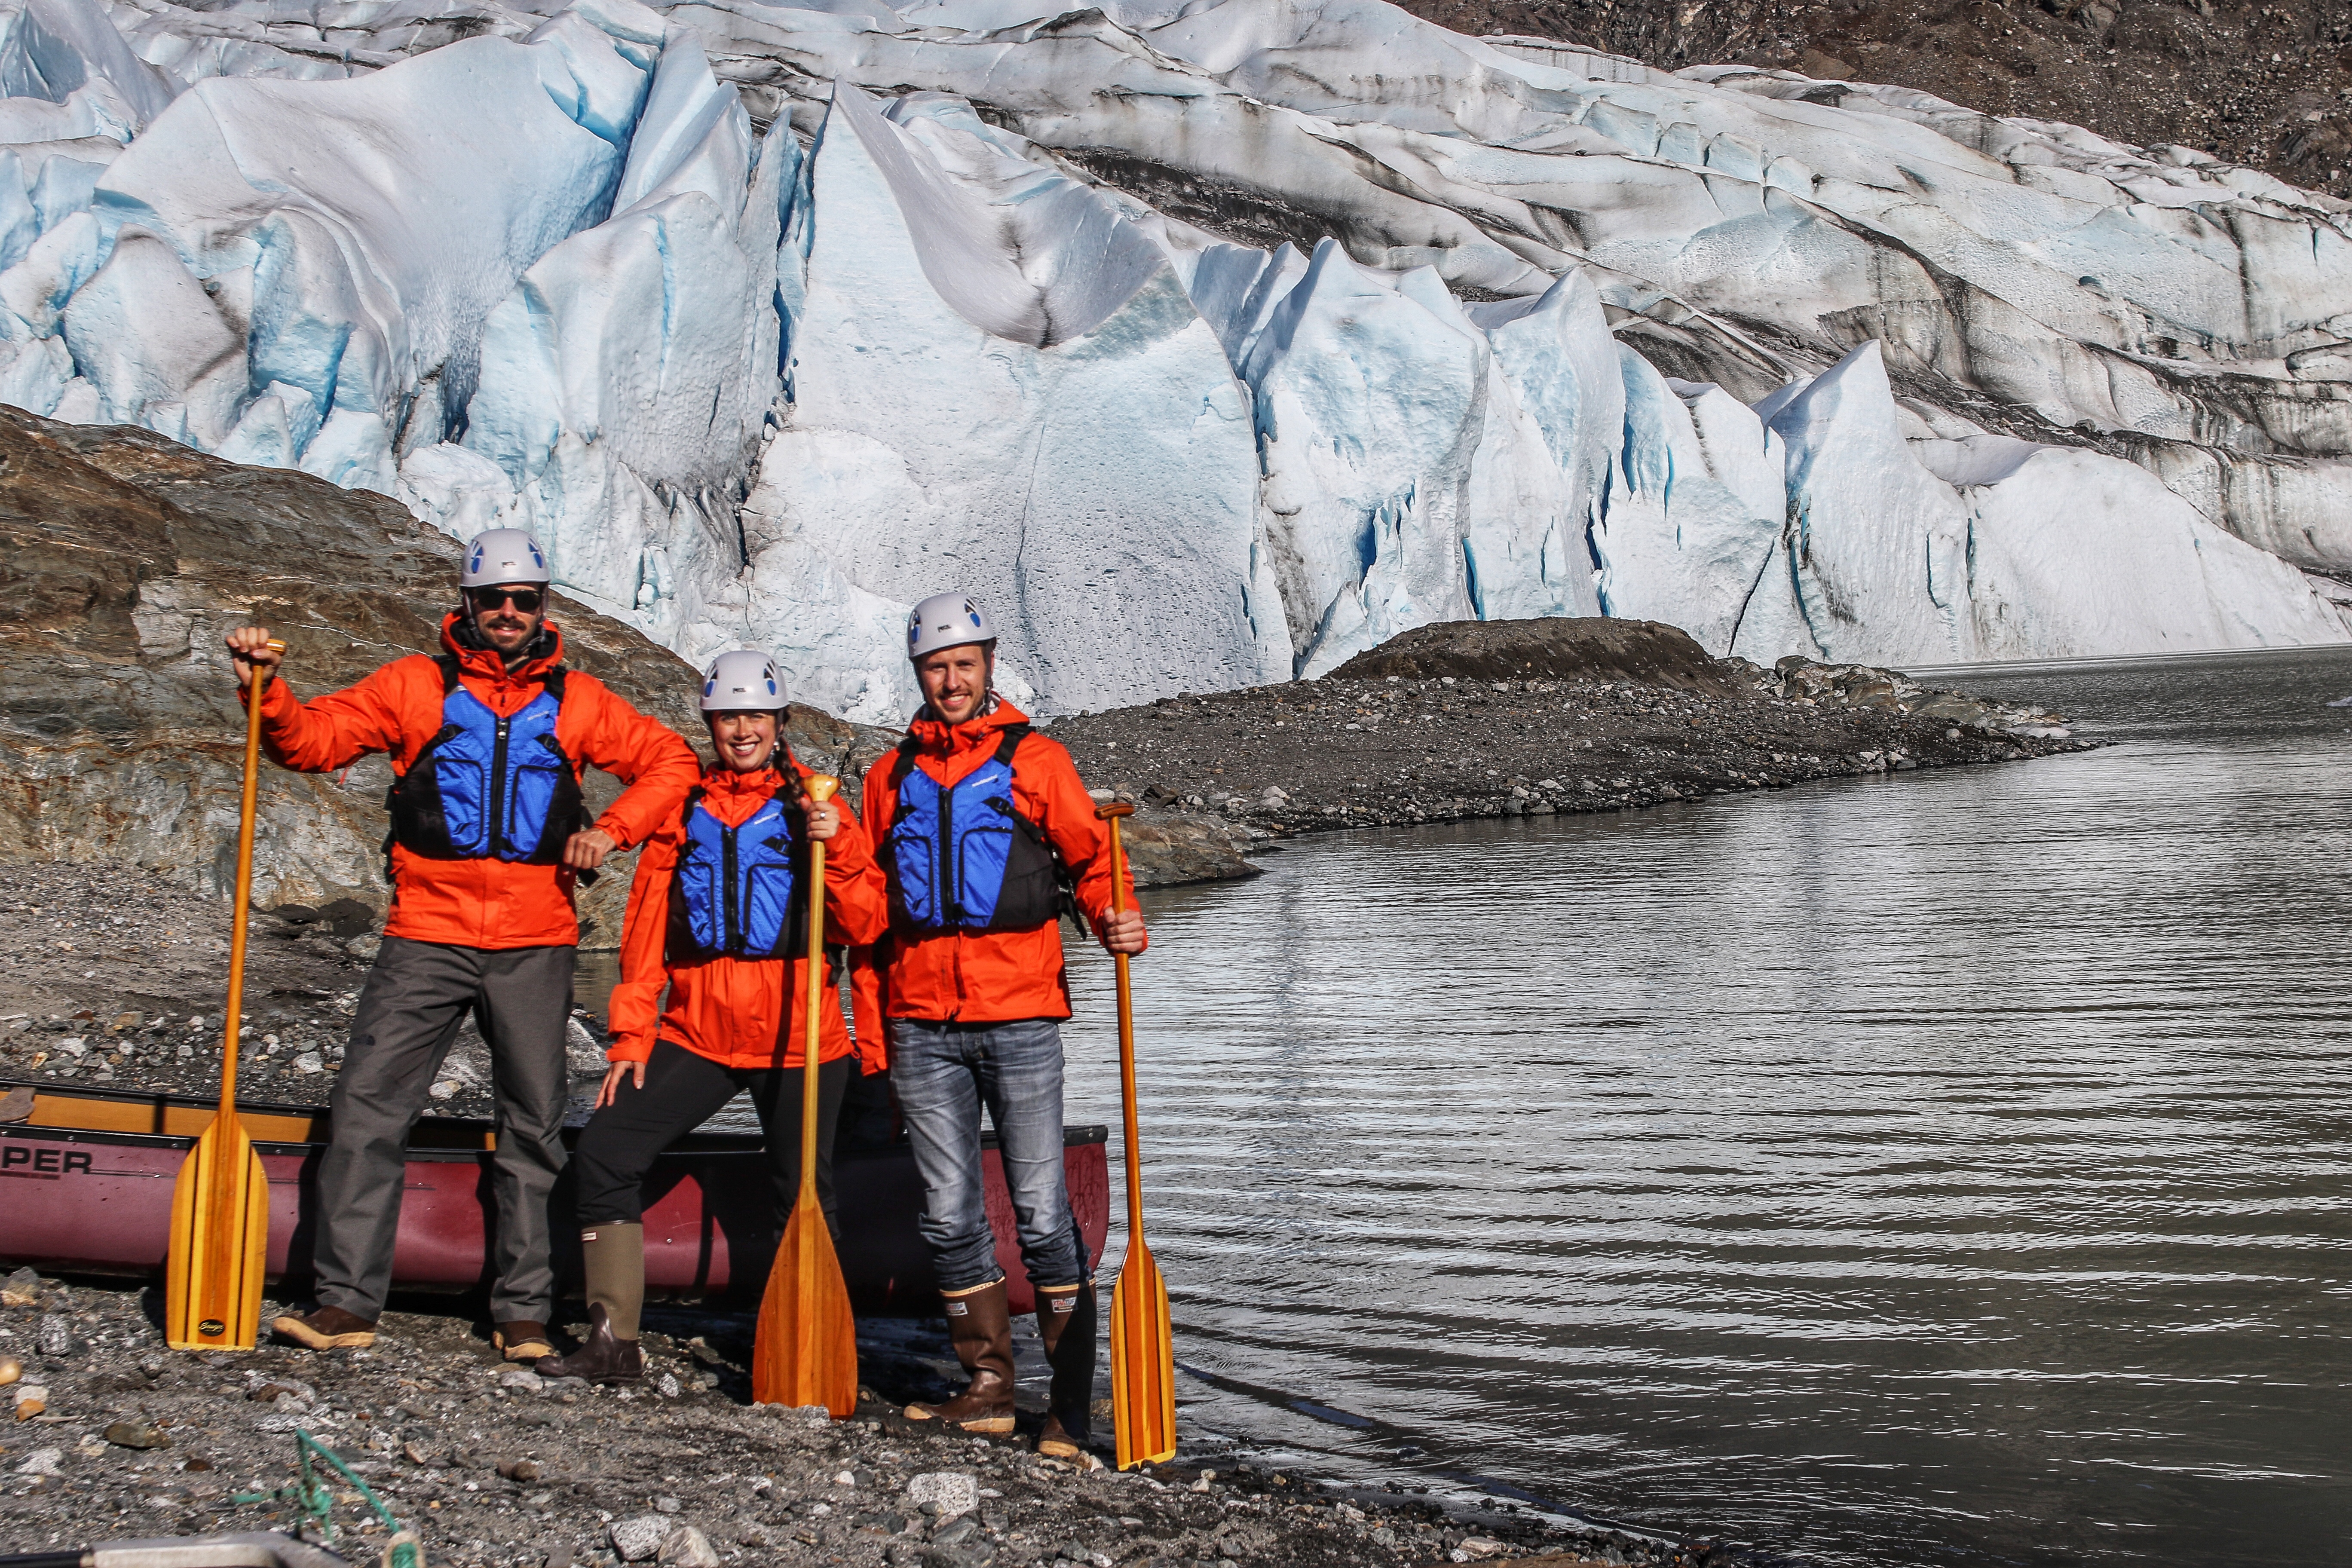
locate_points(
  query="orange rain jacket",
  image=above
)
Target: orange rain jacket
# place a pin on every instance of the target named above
(488, 902)
(985, 977)
(733, 1010)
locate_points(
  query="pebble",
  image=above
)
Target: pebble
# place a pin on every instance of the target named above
(31, 1400)
(948, 1492)
(22, 1289)
(43, 1462)
(11, 1369)
(55, 1337)
(136, 1435)
(640, 1538)
(686, 1547)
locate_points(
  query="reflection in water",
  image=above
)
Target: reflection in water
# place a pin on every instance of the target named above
(1948, 1166)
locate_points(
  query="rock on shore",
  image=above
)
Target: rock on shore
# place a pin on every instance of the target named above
(497, 1468)
(1532, 717)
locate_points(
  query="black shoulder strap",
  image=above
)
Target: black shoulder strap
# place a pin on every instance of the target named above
(906, 760)
(554, 679)
(449, 663)
(1009, 742)
(686, 811)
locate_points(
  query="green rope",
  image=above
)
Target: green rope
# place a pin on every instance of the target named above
(313, 1496)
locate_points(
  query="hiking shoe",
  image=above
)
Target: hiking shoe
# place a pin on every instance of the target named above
(523, 1340)
(1056, 1442)
(326, 1328)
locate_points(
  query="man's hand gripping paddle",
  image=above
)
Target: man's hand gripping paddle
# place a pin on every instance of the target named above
(220, 1206)
(1142, 1352)
(806, 1351)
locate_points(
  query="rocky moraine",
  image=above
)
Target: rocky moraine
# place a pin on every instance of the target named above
(118, 1437)
(1534, 718)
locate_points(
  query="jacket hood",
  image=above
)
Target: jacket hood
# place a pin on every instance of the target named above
(475, 657)
(934, 739)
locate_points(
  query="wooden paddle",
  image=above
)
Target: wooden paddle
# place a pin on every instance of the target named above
(806, 1351)
(1142, 1352)
(220, 1205)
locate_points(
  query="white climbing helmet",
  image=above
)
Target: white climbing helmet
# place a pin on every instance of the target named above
(502, 556)
(946, 620)
(744, 681)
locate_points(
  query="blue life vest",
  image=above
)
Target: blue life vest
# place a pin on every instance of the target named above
(966, 858)
(737, 892)
(490, 788)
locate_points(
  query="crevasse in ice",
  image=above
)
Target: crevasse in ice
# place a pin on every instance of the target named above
(1211, 340)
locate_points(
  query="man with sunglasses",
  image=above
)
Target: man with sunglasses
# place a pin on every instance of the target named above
(488, 742)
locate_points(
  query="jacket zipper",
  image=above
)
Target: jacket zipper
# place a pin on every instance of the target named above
(498, 789)
(951, 894)
(731, 931)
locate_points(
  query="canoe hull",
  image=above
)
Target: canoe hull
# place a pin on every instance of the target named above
(75, 1199)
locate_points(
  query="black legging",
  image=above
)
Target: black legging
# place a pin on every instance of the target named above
(682, 1090)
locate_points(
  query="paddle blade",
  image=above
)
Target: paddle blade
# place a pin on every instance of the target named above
(806, 1351)
(220, 1243)
(1142, 1362)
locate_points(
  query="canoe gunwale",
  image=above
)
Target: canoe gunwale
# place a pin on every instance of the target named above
(450, 1137)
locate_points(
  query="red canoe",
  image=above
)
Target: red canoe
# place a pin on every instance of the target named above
(90, 1176)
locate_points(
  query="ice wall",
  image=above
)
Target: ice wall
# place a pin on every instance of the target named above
(767, 331)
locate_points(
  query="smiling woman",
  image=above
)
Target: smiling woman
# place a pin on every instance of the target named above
(1950, 1167)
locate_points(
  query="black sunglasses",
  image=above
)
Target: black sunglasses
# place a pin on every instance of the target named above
(527, 600)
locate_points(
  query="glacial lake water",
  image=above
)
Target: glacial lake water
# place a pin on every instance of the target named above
(1948, 1168)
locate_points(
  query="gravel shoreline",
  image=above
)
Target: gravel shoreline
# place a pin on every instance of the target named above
(498, 1468)
(1382, 750)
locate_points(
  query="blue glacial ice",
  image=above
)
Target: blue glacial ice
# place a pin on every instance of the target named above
(1210, 342)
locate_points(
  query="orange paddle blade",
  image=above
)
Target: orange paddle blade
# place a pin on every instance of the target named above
(1142, 1362)
(220, 1243)
(806, 1352)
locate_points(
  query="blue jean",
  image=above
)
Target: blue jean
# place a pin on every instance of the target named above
(943, 1073)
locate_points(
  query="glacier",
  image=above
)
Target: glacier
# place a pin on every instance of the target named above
(1210, 342)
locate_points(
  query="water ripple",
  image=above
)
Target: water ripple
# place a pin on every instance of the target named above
(1951, 1167)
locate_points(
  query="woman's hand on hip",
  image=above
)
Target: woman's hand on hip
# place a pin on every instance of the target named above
(613, 1077)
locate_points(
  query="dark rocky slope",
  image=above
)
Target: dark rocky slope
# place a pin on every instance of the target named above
(2268, 85)
(1531, 718)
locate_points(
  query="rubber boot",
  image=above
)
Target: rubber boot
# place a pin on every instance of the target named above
(604, 1358)
(614, 1258)
(981, 1329)
(1066, 1324)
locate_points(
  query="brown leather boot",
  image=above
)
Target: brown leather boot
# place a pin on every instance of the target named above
(326, 1328)
(604, 1358)
(983, 1330)
(1066, 1324)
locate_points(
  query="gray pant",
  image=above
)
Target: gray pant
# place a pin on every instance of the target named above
(416, 996)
